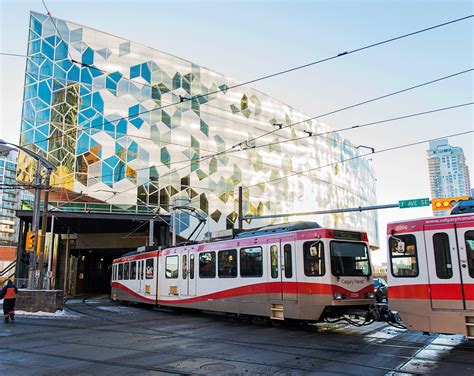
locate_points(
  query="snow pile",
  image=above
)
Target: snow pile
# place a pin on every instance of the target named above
(61, 314)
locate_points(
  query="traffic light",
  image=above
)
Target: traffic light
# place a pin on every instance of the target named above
(30, 241)
(446, 203)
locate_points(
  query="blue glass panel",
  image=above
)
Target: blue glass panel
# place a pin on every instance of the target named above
(59, 72)
(61, 51)
(73, 74)
(40, 141)
(109, 127)
(34, 47)
(182, 221)
(88, 56)
(119, 172)
(107, 175)
(44, 129)
(52, 40)
(110, 84)
(86, 76)
(132, 151)
(44, 91)
(31, 91)
(98, 102)
(47, 50)
(25, 125)
(133, 111)
(83, 121)
(75, 35)
(112, 161)
(28, 110)
(86, 101)
(144, 155)
(137, 122)
(97, 122)
(122, 126)
(27, 137)
(36, 26)
(116, 76)
(146, 74)
(96, 72)
(135, 71)
(83, 144)
(31, 67)
(46, 69)
(43, 115)
(65, 64)
(89, 112)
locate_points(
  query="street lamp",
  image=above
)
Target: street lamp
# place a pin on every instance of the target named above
(41, 162)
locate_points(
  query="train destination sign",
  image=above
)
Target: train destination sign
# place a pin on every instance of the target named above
(415, 203)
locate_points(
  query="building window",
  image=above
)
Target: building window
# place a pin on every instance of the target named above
(404, 264)
(313, 258)
(227, 263)
(171, 266)
(207, 265)
(251, 263)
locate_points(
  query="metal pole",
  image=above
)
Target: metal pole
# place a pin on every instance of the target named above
(35, 226)
(358, 209)
(66, 262)
(241, 214)
(44, 229)
(173, 241)
(151, 240)
(50, 254)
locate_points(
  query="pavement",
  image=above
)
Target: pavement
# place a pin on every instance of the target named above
(95, 336)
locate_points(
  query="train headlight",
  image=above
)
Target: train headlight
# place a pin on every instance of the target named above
(338, 296)
(370, 295)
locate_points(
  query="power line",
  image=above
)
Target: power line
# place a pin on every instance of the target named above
(21, 55)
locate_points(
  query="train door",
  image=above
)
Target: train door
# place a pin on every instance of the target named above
(444, 267)
(187, 278)
(281, 269)
(465, 237)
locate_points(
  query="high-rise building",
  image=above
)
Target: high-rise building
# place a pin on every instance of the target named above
(9, 196)
(130, 125)
(449, 174)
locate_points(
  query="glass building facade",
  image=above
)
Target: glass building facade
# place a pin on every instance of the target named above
(114, 117)
(9, 196)
(448, 171)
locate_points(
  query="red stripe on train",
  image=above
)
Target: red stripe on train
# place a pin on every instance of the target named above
(448, 291)
(302, 288)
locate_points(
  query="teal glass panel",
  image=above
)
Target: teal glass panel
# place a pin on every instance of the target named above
(36, 26)
(98, 102)
(47, 50)
(146, 73)
(73, 73)
(122, 126)
(88, 56)
(46, 69)
(83, 144)
(135, 71)
(34, 47)
(133, 111)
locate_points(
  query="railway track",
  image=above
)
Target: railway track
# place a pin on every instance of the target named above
(331, 353)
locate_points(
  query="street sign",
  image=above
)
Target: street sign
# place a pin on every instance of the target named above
(415, 203)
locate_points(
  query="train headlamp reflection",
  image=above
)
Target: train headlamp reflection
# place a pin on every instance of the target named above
(338, 296)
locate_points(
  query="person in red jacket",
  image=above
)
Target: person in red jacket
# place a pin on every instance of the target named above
(8, 294)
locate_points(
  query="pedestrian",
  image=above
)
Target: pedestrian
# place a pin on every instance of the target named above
(8, 295)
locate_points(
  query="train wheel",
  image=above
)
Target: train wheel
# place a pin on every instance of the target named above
(277, 323)
(244, 319)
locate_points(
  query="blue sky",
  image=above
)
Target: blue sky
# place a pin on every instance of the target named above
(247, 39)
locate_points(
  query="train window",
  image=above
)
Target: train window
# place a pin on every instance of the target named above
(251, 264)
(120, 271)
(469, 238)
(126, 271)
(149, 269)
(227, 263)
(171, 267)
(184, 265)
(207, 265)
(133, 270)
(191, 266)
(288, 261)
(404, 264)
(140, 270)
(313, 257)
(274, 261)
(349, 259)
(442, 256)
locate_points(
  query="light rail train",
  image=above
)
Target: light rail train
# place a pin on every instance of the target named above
(431, 273)
(292, 271)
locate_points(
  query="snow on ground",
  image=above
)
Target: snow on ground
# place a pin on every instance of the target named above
(59, 314)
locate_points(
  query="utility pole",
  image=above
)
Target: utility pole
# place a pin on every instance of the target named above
(44, 229)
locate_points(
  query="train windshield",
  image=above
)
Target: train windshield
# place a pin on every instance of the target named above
(349, 259)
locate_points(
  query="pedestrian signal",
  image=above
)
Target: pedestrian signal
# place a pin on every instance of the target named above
(446, 203)
(30, 241)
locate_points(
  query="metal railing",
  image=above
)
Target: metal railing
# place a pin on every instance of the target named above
(88, 207)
